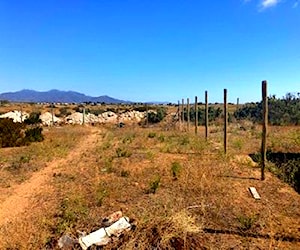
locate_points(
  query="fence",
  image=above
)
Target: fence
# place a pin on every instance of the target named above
(225, 121)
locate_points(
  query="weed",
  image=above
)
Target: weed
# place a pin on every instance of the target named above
(153, 185)
(246, 222)
(122, 152)
(108, 166)
(175, 169)
(237, 144)
(25, 159)
(150, 155)
(101, 194)
(125, 173)
(161, 138)
(128, 138)
(151, 135)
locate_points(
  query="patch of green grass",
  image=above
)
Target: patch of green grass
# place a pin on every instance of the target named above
(237, 144)
(176, 169)
(246, 222)
(71, 210)
(161, 138)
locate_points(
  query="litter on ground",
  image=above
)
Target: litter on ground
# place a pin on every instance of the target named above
(113, 225)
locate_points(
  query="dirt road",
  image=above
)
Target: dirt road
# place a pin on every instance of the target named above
(17, 203)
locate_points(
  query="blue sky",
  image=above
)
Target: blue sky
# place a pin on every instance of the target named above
(151, 50)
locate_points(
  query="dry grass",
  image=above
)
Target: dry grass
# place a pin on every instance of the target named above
(207, 206)
(18, 164)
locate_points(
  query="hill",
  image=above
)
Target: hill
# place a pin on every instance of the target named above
(54, 95)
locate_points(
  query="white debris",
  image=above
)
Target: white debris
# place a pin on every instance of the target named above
(16, 115)
(99, 237)
(254, 193)
(80, 118)
(75, 118)
(47, 119)
(103, 235)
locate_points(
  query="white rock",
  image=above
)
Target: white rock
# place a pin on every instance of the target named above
(15, 115)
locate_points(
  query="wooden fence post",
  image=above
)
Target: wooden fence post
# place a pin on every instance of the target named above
(21, 113)
(147, 111)
(52, 114)
(179, 115)
(225, 120)
(196, 114)
(118, 118)
(182, 113)
(188, 114)
(264, 129)
(206, 115)
(83, 115)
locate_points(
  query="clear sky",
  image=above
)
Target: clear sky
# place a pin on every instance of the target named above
(151, 50)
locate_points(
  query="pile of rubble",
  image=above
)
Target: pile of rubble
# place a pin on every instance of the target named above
(17, 116)
(106, 117)
(78, 118)
(48, 119)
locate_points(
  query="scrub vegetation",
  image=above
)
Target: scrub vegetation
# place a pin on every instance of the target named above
(182, 191)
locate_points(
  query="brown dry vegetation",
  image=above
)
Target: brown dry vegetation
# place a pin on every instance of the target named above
(182, 191)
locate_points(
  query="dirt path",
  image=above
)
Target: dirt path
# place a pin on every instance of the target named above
(16, 204)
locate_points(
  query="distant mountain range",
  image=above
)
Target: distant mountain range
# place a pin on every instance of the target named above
(55, 96)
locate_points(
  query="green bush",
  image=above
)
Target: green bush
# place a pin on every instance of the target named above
(284, 111)
(34, 134)
(34, 118)
(11, 134)
(15, 134)
(157, 116)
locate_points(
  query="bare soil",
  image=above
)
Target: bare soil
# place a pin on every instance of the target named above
(20, 198)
